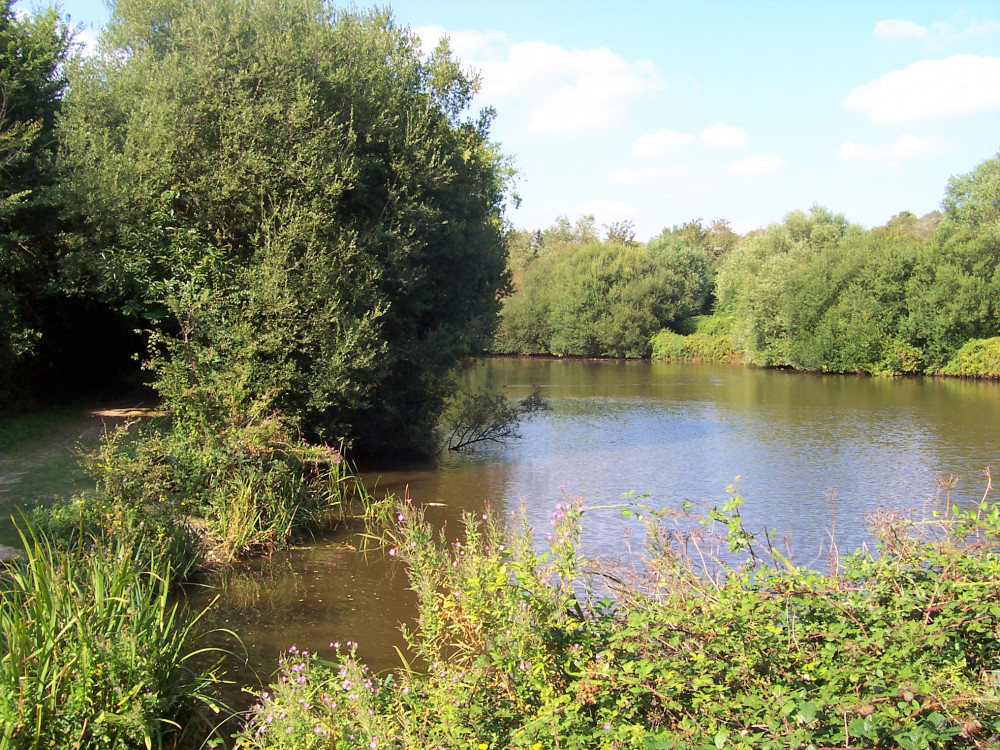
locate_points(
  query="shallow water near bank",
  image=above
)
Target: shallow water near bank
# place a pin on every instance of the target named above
(815, 455)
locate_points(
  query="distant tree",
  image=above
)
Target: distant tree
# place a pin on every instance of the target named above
(602, 300)
(972, 201)
(621, 233)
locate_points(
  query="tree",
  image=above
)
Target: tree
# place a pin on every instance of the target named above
(973, 200)
(602, 299)
(293, 194)
(32, 51)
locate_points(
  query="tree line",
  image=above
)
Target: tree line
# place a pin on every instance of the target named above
(814, 292)
(294, 207)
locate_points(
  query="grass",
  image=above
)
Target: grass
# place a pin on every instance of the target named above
(96, 652)
(39, 460)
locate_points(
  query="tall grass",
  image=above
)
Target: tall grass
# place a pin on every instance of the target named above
(93, 651)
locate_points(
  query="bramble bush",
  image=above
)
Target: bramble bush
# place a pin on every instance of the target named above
(516, 648)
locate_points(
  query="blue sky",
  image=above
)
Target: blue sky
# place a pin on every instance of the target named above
(666, 112)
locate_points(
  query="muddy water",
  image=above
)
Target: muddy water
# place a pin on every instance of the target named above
(814, 455)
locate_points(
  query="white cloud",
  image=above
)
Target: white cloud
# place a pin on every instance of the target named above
(724, 136)
(649, 176)
(983, 28)
(86, 41)
(937, 35)
(759, 165)
(661, 143)
(895, 29)
(905, 147)
(563, 90)
(957, 85)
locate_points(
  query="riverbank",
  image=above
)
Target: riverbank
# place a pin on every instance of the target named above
(520, 648)
(94, 583)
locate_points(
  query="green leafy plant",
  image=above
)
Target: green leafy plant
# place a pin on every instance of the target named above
(718, 640)
(978, 358)
(95, 651)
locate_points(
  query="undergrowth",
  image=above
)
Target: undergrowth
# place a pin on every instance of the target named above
(978, 358)
(705, 339)
(202, 496)
(514, 648)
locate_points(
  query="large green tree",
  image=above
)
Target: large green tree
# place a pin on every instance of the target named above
(33, 48)
(601, 299)
(296, 199)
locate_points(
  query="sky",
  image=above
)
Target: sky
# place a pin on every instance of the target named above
(671, 111)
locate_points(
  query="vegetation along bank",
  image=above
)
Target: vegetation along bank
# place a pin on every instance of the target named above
(293, 206)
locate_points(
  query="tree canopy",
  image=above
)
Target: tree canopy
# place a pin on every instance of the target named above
(295, 199)
(32, 51)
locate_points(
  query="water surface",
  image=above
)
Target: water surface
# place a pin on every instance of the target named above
(814, 455)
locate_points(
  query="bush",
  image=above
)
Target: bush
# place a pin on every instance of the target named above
(521, 649)
(95, 654)
(215, 492)
(707, 339)
(978, 358)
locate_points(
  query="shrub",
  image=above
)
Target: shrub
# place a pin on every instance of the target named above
(707, 338)
(221, 490)
(978, 358)
(521, 649)
(95, 654)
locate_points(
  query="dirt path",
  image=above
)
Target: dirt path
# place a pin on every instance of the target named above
(45, 464)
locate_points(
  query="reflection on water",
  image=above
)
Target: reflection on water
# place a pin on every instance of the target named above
(813, 453)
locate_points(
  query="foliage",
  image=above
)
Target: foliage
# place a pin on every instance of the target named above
(716, 240)
(890, 648)
(95, 654)
(708, 340)
(294, 192)
(978, 358)
(817, 294)
(193, 491)
(33, 49)
(600, 299)
(485, 415)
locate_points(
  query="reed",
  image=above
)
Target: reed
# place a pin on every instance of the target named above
(94, 651)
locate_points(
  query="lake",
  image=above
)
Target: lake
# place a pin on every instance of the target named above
(814, 454)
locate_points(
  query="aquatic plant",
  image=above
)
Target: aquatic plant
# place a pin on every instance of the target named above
(718, 641)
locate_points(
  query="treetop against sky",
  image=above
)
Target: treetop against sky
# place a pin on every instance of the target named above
(664, 112)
